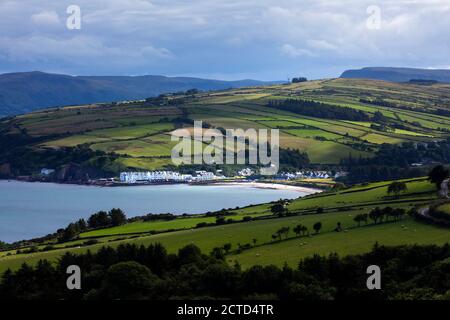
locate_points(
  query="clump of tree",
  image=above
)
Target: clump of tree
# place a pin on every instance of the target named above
(227, 247)
(102, 219)
(299, 79)
(220, 220)
(376, 215)
(317, 227)
(17, 154)
(117, 217)
(362, 217)
(150, 272)
(300, 229)
(379, 117)
(394, 162)
(438, 174)
(293, 159)
(99, 220)
(396, 214)
(4, 246)
(223, 212)
(283, 231)
(155, 217)
(379, 215)
(72, 230)
(396, 188)
(280, 208)
(319, 109)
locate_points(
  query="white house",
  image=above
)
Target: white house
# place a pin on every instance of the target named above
(47, 172)
(155, 176)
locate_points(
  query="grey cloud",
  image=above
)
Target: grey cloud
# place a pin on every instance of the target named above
(228, 37)
(46, 18)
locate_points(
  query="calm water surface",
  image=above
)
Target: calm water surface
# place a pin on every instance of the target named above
(30, 210)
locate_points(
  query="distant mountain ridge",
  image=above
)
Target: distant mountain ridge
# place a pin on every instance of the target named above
(398, 74)
(28, 91)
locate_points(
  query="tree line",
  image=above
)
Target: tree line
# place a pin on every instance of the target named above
(319, 109)
(299, 79)
(150, 272)
(102, 219)
(405, 154)
(23, 159)
(384, 103)
(393, 162)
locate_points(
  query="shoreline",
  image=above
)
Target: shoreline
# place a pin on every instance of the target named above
(251, 184)
(290, 192)
(267, 185)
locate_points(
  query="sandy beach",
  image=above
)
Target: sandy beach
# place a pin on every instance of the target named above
(265, 185)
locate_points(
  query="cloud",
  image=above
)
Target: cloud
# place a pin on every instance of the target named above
(321, 45)
(45, 18)
(293, 52)
(78, 50)
(222, 37)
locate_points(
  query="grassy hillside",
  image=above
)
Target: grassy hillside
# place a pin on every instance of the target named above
(136, 135)
(398, 74)
(28, 91)
(139, 132)
(355, 241)
(353, 238)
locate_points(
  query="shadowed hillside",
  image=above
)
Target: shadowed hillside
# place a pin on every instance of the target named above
(398, 74)
(28, 91)
(339, 122)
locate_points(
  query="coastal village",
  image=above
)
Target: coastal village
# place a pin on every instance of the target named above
(167, 176)
(205, 176)
(200, 176)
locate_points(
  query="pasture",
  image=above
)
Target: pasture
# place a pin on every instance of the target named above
(140, 132)
(338, 207)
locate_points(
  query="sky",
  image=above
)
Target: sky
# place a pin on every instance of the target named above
(222, 39)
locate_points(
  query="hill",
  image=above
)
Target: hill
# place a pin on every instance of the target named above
(252, 240)
(341, 124)
(398, 74)
(28, 91)
(330, 120)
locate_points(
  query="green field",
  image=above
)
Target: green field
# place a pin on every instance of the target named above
(180, 223)
(339, 207)
(137, 136)
(132, 132)
(374, 193)
(444, 208)
(344, 243)
(137, 148)
(142, 133)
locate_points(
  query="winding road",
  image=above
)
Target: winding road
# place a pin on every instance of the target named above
(443, 193)
(424, 212)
